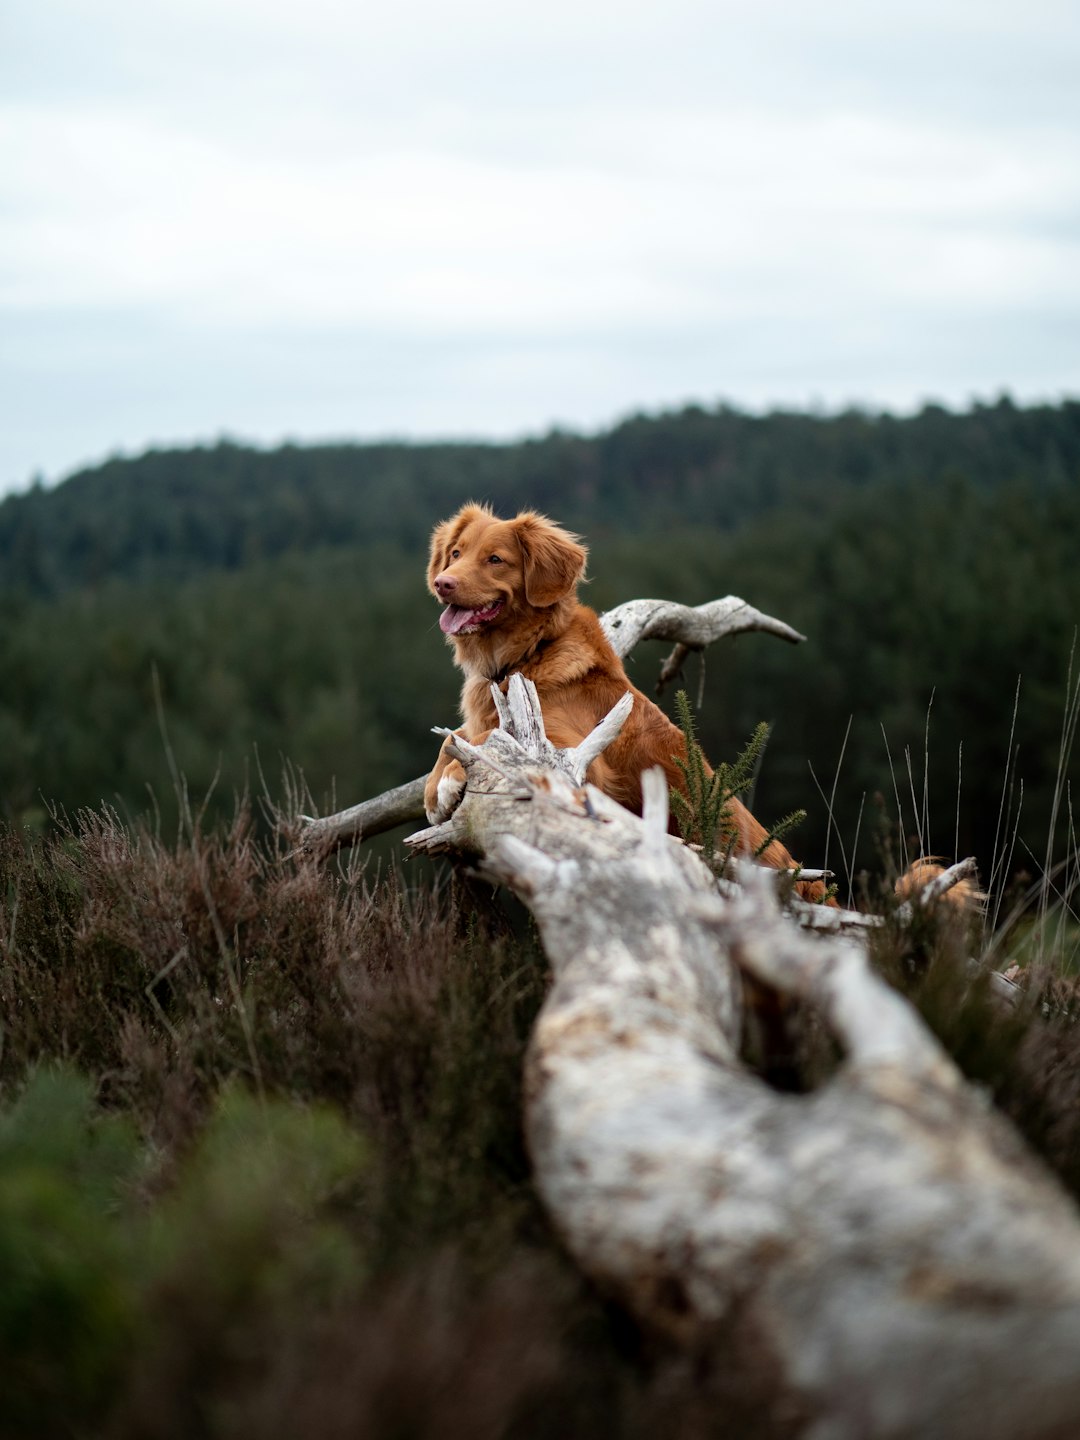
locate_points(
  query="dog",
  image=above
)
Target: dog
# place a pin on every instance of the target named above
(509, 588)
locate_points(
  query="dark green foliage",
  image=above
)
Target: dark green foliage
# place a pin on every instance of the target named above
(280, 599)
(103, 1297)
(67, 1303)
(174, 514)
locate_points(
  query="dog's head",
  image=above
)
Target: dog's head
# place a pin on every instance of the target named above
(487, 571)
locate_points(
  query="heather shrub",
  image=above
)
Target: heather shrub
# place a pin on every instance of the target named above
(318, 1075)
(261, 1162)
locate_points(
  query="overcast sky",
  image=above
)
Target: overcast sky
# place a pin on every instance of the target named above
(340, 219)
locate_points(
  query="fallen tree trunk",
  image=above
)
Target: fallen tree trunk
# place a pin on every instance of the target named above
(882, 1257)
(690, 627)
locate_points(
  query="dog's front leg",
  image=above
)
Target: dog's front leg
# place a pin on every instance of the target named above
(444, 788)
(446, 783)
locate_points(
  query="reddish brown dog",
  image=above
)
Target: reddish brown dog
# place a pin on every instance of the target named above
(510, 592)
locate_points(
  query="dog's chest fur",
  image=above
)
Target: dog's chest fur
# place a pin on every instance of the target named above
(552, 662)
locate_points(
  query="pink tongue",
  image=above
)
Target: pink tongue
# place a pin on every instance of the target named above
(453, 618)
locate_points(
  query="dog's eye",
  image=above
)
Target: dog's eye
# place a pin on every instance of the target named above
(454, 554)
(495, 560)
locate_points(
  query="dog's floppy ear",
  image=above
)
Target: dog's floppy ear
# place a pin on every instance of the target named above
(440, 538)
(554, 561)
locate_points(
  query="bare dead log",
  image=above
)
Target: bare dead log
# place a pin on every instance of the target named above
(691, 627)
(884, 1249)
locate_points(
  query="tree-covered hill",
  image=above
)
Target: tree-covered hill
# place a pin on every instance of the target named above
(175, 514)
(276, 605)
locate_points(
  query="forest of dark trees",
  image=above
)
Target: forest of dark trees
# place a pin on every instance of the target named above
(274, 603)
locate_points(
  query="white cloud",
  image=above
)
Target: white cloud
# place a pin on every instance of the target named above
(749, 210)
(578, 179)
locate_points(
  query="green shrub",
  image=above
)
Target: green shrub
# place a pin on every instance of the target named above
(67, 1296)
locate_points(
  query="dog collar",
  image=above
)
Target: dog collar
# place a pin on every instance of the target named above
(503, 674)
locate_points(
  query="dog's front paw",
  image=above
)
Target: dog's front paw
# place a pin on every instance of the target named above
(447, 795)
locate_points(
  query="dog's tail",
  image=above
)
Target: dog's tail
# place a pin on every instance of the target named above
(964, 896)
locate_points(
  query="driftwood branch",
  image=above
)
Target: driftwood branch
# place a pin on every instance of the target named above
(883, 1254)
(691, 627)
(322, 835)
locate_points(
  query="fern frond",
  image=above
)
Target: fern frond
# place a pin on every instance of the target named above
(780, 829)
(703, 813)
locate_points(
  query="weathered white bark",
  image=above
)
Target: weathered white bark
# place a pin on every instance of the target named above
(692, 627)
(882, 1255)
(322, 835)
